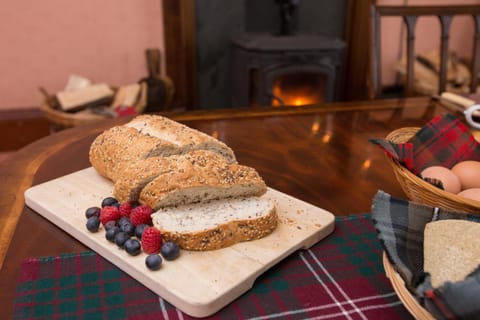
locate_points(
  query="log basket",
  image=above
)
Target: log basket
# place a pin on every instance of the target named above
(61, 119)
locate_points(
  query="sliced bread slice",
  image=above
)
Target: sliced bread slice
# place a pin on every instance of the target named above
(217, 224)
(201, 176)
(136, 175)
(450, 250)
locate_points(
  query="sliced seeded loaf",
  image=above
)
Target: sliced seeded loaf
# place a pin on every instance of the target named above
(148, 136)
(451, 251)
(216, 224)
(199, 176)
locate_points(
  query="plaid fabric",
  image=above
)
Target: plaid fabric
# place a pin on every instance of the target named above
(341, 277)
(400, 225)
(444, 141)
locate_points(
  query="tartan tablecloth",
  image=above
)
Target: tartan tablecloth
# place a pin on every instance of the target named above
(341, 277)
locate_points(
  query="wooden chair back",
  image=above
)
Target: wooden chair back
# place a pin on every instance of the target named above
(410, 15)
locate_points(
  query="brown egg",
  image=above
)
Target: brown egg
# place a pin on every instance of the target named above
(472, 193)
(451, 183)
(469, 173)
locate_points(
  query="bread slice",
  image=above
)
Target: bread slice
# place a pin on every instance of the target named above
(201, 176)
(181, 136)
(136, 175)
(451, 251)
(217, 224)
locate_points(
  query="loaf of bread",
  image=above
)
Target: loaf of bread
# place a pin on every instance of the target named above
(216, 224)
(204, 199)
(200, 176)
(450, 250)
(148, 136)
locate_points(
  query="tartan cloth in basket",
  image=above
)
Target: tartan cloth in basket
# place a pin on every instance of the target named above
(400, 225)
(340, 277)
(444, 141)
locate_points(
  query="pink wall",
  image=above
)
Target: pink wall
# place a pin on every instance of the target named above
(428, 33)
(43, 42)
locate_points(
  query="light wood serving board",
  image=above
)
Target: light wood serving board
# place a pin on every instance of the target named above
(197, 283)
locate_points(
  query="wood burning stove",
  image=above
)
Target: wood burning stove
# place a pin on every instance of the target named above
(292, 69)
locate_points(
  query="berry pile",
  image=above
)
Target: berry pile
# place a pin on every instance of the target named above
(129, 226)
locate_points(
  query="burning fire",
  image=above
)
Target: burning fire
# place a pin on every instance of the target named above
(297, 90)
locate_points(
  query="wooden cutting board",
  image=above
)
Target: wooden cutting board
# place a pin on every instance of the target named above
(197, 283)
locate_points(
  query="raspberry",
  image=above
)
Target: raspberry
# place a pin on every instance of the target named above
(125, 209)
(109, 213)
(141, 215)
(151, 240)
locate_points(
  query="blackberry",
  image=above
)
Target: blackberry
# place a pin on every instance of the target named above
(153, 261)
(111, 233)
(93, 223)
(92, 211)
(132, 246)
(120, 239)
(110, 202)
(170, 250)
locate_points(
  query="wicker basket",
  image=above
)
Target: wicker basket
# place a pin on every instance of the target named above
(408, 300)
(66, 119)
(418, 190)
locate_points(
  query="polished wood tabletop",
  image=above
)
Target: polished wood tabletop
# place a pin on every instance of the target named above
(319, 154)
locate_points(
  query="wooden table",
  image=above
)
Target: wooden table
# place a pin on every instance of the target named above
(319, 154)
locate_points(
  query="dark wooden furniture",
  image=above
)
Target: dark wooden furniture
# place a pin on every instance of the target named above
(410, 15)
(319, 154)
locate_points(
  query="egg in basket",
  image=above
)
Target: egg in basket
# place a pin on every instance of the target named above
(438, 164)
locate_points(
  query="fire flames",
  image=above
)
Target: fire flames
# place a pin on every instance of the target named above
(298, 90)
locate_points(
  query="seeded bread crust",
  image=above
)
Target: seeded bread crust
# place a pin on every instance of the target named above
(180, 135)
(201, 176)
(119, 146)
(137, 175)
(148, 136)
(244, 225)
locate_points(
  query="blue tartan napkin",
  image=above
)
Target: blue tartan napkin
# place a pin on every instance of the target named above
(400, 225)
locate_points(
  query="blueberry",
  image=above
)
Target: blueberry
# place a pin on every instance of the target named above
(128, 228)
(139, 230)
(93, 223)
(153, 262)
(110, 201)
(110, 224)
(132, 246)
(111, 233)
(170, 250)
(92, 211)
(123, 220)
(120, 238)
